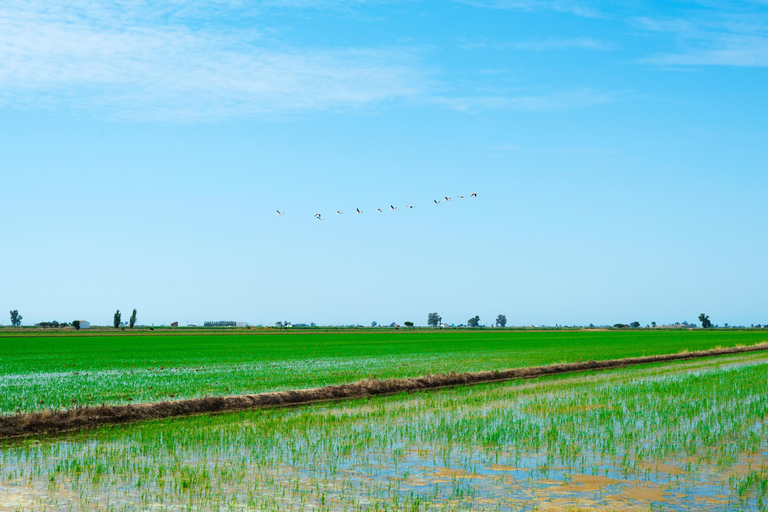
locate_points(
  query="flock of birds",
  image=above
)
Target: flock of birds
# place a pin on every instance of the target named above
(319, 216)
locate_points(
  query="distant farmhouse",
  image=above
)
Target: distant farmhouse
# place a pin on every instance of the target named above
(174, 324)
(241, 324)
(85, 324)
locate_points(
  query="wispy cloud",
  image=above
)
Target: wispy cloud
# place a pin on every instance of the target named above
(550, 102)
(577, 7)
(706, 39)
(187, 61)
(133, 60)
(541, 45)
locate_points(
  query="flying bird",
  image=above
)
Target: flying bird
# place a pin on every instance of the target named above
(340, 213)
(393, 207)
(473, 194)
(358, 210)
(410, 206)
(447, 198)
(460, 197)
(436, 201)
(279, 212)
(379, 210)
(319, 216)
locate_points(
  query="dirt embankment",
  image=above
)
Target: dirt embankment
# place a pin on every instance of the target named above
(51, 422)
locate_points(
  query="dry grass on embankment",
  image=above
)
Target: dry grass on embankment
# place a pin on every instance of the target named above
(52, 422)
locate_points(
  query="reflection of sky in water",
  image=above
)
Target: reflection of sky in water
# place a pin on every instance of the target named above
(530, 480)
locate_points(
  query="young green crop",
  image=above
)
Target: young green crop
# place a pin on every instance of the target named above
(61, 371)
(666, 436)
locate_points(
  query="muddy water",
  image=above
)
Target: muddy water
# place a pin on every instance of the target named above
(674, 485)
(532, 482)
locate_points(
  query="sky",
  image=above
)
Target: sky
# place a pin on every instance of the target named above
(618, 150)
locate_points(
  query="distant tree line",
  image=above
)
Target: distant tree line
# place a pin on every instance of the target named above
(220, 323)
(52, 324)
(434, 320)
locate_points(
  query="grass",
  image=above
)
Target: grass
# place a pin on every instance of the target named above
(661, 437)
(55, 371)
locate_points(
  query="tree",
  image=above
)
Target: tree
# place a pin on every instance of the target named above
(704, 319)
(634, 325)
(501, 320)
(653, 324)
(15, 318)
(474, 321)
(374, 324)
(132, 321)
(76, 324)
(408, 324)
(116, 319)
(433, 319)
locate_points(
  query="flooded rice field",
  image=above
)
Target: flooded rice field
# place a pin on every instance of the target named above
(681, 436)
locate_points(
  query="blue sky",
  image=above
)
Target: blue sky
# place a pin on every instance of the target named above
(618, 150)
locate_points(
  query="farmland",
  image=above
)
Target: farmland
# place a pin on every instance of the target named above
(676, 436)
(65, 370)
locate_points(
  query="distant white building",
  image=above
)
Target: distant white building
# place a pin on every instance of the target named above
(85, 324)
(241, 324)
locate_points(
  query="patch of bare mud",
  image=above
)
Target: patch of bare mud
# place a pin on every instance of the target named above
(646, 492)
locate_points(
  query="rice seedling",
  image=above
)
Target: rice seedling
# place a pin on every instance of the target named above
(64, 371)
(662, 437)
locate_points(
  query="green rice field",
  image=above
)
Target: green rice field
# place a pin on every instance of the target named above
(677, 436)
(42, 370)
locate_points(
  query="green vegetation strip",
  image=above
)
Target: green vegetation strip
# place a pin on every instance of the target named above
(87, 417)
(65, 370)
